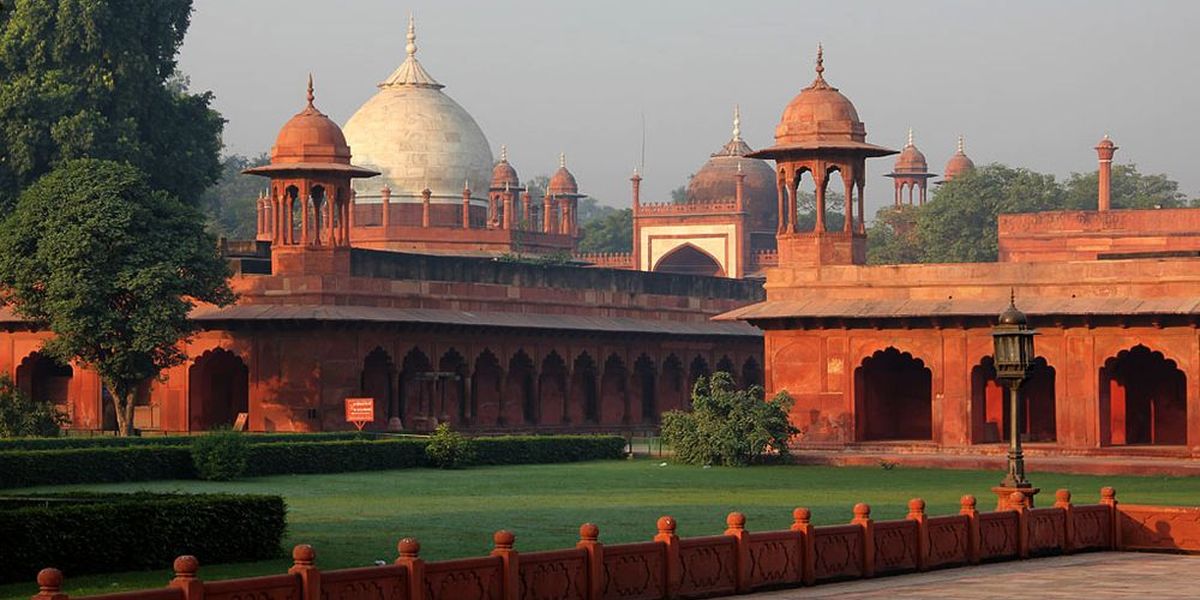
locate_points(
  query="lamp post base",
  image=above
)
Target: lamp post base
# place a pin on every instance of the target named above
(1003, 492)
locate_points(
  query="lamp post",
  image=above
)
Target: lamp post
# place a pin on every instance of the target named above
(1013, 355)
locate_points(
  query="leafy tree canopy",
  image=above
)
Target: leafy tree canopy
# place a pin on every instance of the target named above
(230, 204)
(610, 233)
(113, 268)
(1130, 189)
(98, 79)
(728, 426)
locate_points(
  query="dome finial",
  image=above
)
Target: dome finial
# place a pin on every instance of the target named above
(411, 48)
(819, 83)
(820, 59)
(737, 123)
(960, 145)
(311, 97)
(910, 136)
(503, 153)
(562, 160)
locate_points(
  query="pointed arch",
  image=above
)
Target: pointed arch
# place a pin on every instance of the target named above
(377, 381)
(218, 389)
(614, 391)
(698, 368)
(485, 390)
(990, 407)
(725, 364)
(452, 397)
(645, 380)
(552, 390)
(893, 397)
(585, 390)
(519, 405)
(752, 373)
(672, 391)
(1143, 399)
(42, 377)
(416, 405)
(689, 259)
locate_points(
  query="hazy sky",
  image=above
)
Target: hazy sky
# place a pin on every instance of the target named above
(1032, 84)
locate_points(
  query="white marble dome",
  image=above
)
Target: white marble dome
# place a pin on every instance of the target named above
(417, 136)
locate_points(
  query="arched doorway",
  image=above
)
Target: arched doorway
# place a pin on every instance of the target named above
(893, 397)
(644, 384)
(376, 382)
(698, 369)
(44, 379)
(1143, 399)
(689, 260)
(614, 400)
(452, 381)
(519, 404)
(218, 390)
(751, 373)
(991, 413)
(485, 390)
(416, 397)
(672, 395)
(725, 365)
(585, 391)
(552, 390)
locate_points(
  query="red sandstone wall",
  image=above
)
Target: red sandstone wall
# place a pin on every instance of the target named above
(1084, 235)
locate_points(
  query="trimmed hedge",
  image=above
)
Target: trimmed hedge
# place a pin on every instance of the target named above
(96, 533)
(23, 468)
(62, 443)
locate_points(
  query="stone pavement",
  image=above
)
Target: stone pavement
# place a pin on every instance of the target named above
(1099, 575)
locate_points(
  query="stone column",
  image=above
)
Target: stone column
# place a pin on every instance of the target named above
(387, 207)
(425, 195)
(1105, 150)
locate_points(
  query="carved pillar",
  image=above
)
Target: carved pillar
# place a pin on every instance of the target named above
(466, 207)
(821, 178)
(848, 205)
(793, 183)
(425, 195)
(862, 215)
(508, 208)
(387, 206)
(780, 203)
(525, 208)
(547, 214)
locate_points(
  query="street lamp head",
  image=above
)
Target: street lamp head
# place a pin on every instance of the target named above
(1012, 339)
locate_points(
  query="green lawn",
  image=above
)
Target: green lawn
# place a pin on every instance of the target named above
(353, 519)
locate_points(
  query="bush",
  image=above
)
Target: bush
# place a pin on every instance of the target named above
(23, 468)
(95, 533)
(448, 449)
(728, 426)
(106, 441)
(542, 449)
(21, 415)
(337, 457)
(220, 455)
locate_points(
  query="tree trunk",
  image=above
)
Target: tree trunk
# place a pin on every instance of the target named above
(122, 407)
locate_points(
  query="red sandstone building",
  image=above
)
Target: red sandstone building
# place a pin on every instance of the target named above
(383, 278)
(899, 356)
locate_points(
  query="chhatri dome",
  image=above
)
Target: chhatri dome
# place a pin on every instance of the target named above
(418, 137)
(958, 164)
(562, 183)
(910, 160)
(716, 181)
(504, 176)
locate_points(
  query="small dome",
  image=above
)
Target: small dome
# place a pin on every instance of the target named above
(503, 174)
(911, 160)
(716, 181)
(1106, 143)
(1013, 316)
(958, 164)
(562, 183)
(820, 113)
(310, 137)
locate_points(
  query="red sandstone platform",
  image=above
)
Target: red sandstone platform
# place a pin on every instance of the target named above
(1164, 462)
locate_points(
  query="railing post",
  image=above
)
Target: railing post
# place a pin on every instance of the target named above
(410, 559)
(916, 512)
(589, 540)
(1062, 499)
(1018, 504)
(1108, 497)
(736, 528)
(802, 525)
(49, 585)
(862, 518)
(968, 510)
(666, 535)
(511, 577)
(186, 567)
(304, 564)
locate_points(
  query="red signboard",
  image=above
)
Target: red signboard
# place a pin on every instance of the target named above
(360, 411)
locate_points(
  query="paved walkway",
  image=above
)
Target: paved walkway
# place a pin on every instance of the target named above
(1099, 575)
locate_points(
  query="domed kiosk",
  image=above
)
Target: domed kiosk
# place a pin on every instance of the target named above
(958, 164)
(911, 174)
(820, 134)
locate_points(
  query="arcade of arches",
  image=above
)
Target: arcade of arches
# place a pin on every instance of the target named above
(910, 388)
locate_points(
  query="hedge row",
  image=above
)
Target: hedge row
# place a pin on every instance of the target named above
(25, 468)
(60, 443)
(96, 533)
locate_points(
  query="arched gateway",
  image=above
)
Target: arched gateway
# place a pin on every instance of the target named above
(893, 397)
(218, 389)
(1143, 399)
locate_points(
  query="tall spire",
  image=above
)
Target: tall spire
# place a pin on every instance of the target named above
(311, 97)
(910, 137)
(503, 153)
(737, 123)
(562, 160)
(410, 72)
(819, 83)
(960, 145)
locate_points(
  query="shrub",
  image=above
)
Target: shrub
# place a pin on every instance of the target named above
(21, 415)
(94, 533)
(449, 449)
(220, 455)
(59, 443)
(541, 449)
(728, 426)
(23, 468)
(337, 457)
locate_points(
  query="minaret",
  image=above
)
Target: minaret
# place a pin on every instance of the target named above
(1105, 150)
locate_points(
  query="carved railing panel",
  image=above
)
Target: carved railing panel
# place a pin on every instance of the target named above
(554, 575)
(838, 552)
(466, 579)
(1047, 531)
(998, 535)
(708, 566)
(1092, 526)
(272, 587)
(775, 559)
(948, 540)
(895, 546)
(367, 583)
(635, 571)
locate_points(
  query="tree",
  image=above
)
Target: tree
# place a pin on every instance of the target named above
(22, 416)
(537, 186)
(230, 204)
(806, 211)
(98, 79)
(612, 233)
(893, 239)
(1130, 189)
(590, 210)
(728, 426)
(959, 223)
(679, 194)
(113, 269)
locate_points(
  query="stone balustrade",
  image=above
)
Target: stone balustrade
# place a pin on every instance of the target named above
(738, 561)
